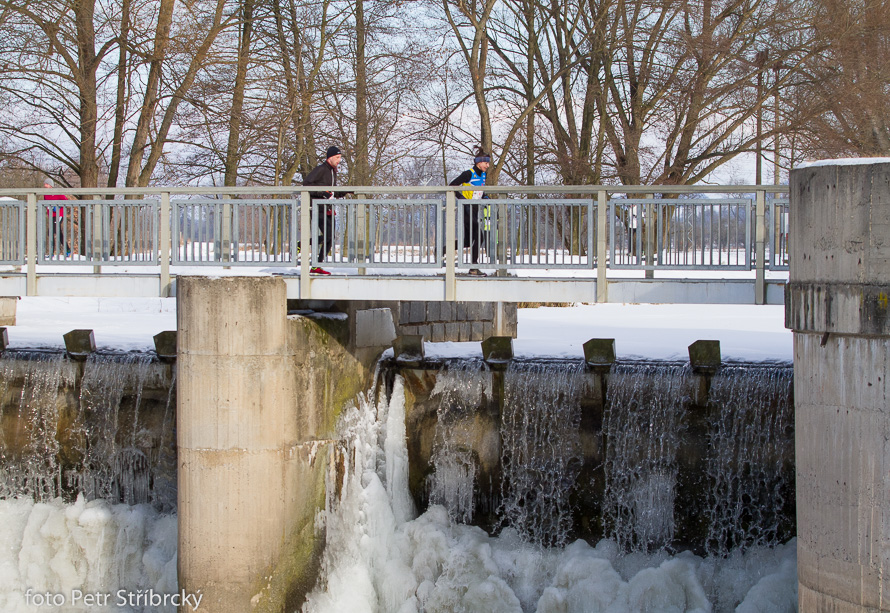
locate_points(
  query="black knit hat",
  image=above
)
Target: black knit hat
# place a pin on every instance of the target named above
(332, 151)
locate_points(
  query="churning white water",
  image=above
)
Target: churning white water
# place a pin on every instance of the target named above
(57, 556)
(381, 558)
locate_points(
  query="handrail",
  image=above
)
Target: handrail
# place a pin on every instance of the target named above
(403, 189)
(685, 234)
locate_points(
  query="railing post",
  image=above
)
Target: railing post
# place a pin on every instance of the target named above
(165, 246)
(502, 238)
(226, 238)
(450, 250)
(760, 249)
(31, 245)
(97, 215)
(602, 287)
(362, 234)
(647, 221)
(306, 245)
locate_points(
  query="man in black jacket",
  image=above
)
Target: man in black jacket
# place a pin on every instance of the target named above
(325, 174)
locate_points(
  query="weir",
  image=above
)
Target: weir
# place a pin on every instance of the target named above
(547, 450)
(259, 394)
(650, 455)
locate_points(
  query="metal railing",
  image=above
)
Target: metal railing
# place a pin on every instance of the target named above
(643, 228)
(234, 232)
(12, 232)
(713, 234)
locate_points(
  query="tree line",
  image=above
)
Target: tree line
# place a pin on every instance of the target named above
(117, 93)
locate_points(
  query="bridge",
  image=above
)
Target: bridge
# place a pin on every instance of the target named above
(664, 244)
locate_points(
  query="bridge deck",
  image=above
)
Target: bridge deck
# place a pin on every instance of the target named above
(425, 287)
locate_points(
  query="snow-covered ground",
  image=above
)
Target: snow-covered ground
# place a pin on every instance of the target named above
(656, 331)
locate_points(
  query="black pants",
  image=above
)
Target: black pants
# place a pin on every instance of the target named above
(472, 234)
(57, 246)
(326, 228)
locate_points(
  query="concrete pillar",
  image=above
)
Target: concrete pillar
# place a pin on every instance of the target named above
(240, 467)
(836, 304)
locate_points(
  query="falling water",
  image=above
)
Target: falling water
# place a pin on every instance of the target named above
(460, 389)
(751, 442)
(29, 445)
(540, 448)
(101, 442)
(74, 440)
(374, 561)
(642, 426)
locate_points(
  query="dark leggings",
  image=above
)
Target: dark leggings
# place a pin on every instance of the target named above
(471, 230)
(326, 240)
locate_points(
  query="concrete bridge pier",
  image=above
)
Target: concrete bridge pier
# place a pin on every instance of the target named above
(837, 306)
(258, 396)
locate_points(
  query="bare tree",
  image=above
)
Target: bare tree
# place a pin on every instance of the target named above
(846, 96)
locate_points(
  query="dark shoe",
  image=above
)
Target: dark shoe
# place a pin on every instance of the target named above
(318, 271)
(475, 272)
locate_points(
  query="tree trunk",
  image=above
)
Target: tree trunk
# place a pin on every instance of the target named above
(233, 147)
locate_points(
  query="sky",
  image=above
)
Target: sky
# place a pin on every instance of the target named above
(648, 331)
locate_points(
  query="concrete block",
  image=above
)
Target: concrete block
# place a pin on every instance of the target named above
(466, 331)
(474, 311)
(462, 311)
(452, 331)
(599, 353)
(704, 356)
(497, 349)
(405, 313)
(7, 310)
(446, 312)
(80, 343)
(437, 334)
(839, 288)
(374, 328)
(486, 311)
(433, 311)
(408, 348)
(477, 331)
(165, 345)
(426, 330)
(487, 329)
(418, 312)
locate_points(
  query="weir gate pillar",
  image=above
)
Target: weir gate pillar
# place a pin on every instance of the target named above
(259, 393)
(837, 306)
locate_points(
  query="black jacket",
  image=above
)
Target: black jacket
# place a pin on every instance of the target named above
(322, 175)
(464, 179)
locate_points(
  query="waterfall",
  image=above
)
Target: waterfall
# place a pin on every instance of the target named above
(375, 561)
(460, 389)
(642, 426)
(100, 428)
(751, 442)
(29, 445)
(540, 448)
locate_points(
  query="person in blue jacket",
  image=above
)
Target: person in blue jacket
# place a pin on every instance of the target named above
(474, 180)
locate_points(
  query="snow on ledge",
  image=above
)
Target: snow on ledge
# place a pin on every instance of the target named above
(844, 162)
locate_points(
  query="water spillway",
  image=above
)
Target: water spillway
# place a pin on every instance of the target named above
(652, 456)
(525, 490)
(102, 428)
(414, 471)
(88, 488)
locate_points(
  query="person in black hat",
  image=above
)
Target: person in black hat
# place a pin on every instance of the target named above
(325, 174)
(474, 180)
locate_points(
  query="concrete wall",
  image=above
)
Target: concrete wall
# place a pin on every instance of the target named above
(837, 306)
(258, 397)
(437, 321)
